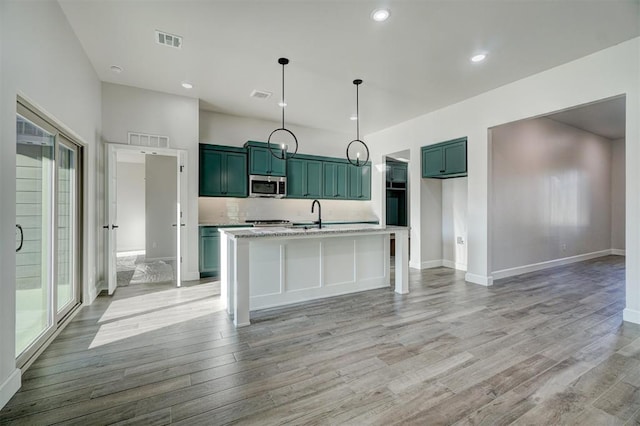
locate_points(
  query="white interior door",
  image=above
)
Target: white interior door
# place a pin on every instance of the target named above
(110, 227)
(180, 221)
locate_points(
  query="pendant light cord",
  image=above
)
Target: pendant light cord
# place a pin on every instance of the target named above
(357, 113)
(283, 102)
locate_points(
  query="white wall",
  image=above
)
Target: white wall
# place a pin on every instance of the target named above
(551, 193)
(160, 206)
(131, 206)
(454, 223)
(128, 109)
(617, 194)
(611, 72)
(223, 129)
(36, 38)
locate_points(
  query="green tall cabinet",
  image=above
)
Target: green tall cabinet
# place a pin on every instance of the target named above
(223, 171)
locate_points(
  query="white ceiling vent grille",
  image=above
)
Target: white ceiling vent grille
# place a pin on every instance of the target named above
(167, 39)
(144, 139)
(260, 94)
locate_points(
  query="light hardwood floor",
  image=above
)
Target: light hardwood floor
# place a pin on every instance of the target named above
(543, 348)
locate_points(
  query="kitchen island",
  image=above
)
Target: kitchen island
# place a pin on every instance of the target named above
(267, 267)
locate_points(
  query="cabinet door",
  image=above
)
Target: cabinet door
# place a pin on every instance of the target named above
(341, 181)
(237, 184)
(399, 174)
(211, 173)
(455, 158)
(259, 161)
(328, 180)
(432, 162)
(296, 182)
(359, 183)
(278, 167)
(314, 179)
(210, 254)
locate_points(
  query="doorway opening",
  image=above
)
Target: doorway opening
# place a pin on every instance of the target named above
(558, 188)
(397, 192)
(145, 216)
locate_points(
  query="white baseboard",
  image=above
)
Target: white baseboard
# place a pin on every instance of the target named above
(428, 264)
(631, 315)
(478, 279)
(414, 265)
(510, 272)
(10, 387)
(618, 252)
(454, 265)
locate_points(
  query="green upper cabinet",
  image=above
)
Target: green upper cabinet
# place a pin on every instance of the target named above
(334, 179)
(261, 162)
(359, 185)
(223, 171)
(445, 160)
(396, 177)
(304, 178)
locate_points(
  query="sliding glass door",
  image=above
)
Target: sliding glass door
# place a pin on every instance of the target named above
(47, 230)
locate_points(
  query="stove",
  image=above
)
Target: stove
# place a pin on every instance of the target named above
(269, 222)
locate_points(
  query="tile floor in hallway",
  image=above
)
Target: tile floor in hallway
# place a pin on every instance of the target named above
(544, 348)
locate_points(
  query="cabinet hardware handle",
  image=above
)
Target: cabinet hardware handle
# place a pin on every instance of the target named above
(21, 237)
(442, 171)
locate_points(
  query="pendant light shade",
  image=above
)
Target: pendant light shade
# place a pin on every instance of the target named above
(281, 150)
(357, 150)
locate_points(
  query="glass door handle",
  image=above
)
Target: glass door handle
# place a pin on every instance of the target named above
(21, 237)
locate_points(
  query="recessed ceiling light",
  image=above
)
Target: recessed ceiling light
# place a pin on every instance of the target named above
(282, 104)
(479, 57)
(353, 117)
(115, 68)
(380, 15)
(187, 85)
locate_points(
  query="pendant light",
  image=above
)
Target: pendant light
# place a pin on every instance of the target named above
(279, 151)
(357, 146)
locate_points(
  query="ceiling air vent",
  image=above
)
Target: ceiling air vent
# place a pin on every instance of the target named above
(167, 39)
(260, 94)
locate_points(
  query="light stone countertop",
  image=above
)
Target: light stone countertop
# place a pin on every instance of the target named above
(275, 232)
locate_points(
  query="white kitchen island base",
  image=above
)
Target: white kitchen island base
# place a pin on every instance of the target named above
(263, 268)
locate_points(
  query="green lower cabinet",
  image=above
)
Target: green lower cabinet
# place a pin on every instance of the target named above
(209, 253)
(304, 178)
(359, 187)
(334, 178)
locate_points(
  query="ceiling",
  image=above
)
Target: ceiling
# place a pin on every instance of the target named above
(605, 118)
(414, 63)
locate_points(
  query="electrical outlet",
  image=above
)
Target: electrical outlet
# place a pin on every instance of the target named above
(563, 247)
(460, 240)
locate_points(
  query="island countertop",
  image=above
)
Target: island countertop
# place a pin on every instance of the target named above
(280, 232)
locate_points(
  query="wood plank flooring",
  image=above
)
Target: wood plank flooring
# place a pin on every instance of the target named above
(543, 348)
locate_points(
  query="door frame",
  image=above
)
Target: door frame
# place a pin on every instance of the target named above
(111, 152)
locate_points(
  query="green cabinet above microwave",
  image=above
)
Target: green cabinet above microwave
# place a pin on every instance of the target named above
(262, 162)
(445, 160)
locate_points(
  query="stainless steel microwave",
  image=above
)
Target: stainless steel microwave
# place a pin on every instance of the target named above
(267, 186)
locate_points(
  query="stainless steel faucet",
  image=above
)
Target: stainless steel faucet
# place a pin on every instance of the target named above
(319, 221)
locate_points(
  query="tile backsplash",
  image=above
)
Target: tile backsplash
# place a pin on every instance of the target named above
(236, 210)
